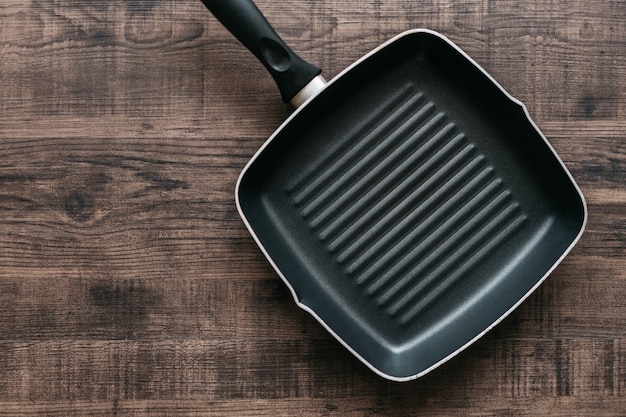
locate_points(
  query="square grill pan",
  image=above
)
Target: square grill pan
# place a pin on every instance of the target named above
(411, 205)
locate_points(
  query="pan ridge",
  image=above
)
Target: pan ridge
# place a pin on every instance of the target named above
(398, 184)
(304, 187)
(423, 221)
(410, 209)
(336, 231)
(397, 199)
(378, 157)
(444, 241)
(365, 144)
(417, 303)
(432, 211)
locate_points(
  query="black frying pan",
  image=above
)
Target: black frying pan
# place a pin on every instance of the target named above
(410, 204)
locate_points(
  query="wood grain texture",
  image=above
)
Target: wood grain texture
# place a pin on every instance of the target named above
(129, 285)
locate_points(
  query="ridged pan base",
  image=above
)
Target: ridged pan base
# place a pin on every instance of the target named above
(407, 205)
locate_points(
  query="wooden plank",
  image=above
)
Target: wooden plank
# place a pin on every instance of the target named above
(101, 304)
(233, 368)
(288, 407)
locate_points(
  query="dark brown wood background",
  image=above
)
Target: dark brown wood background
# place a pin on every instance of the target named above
(128, 284)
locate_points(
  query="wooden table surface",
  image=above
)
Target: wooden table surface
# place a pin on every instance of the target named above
(128, 284)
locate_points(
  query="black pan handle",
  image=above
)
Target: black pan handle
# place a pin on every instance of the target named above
(245, 21)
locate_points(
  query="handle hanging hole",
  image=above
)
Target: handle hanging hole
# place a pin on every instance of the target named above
(275, 55)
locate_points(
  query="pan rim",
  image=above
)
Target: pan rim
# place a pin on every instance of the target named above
(310, 310)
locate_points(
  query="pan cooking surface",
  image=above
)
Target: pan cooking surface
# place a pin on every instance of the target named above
(410, 205)
(407, 206)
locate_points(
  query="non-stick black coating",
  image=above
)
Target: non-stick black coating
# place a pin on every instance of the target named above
(409, 242)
